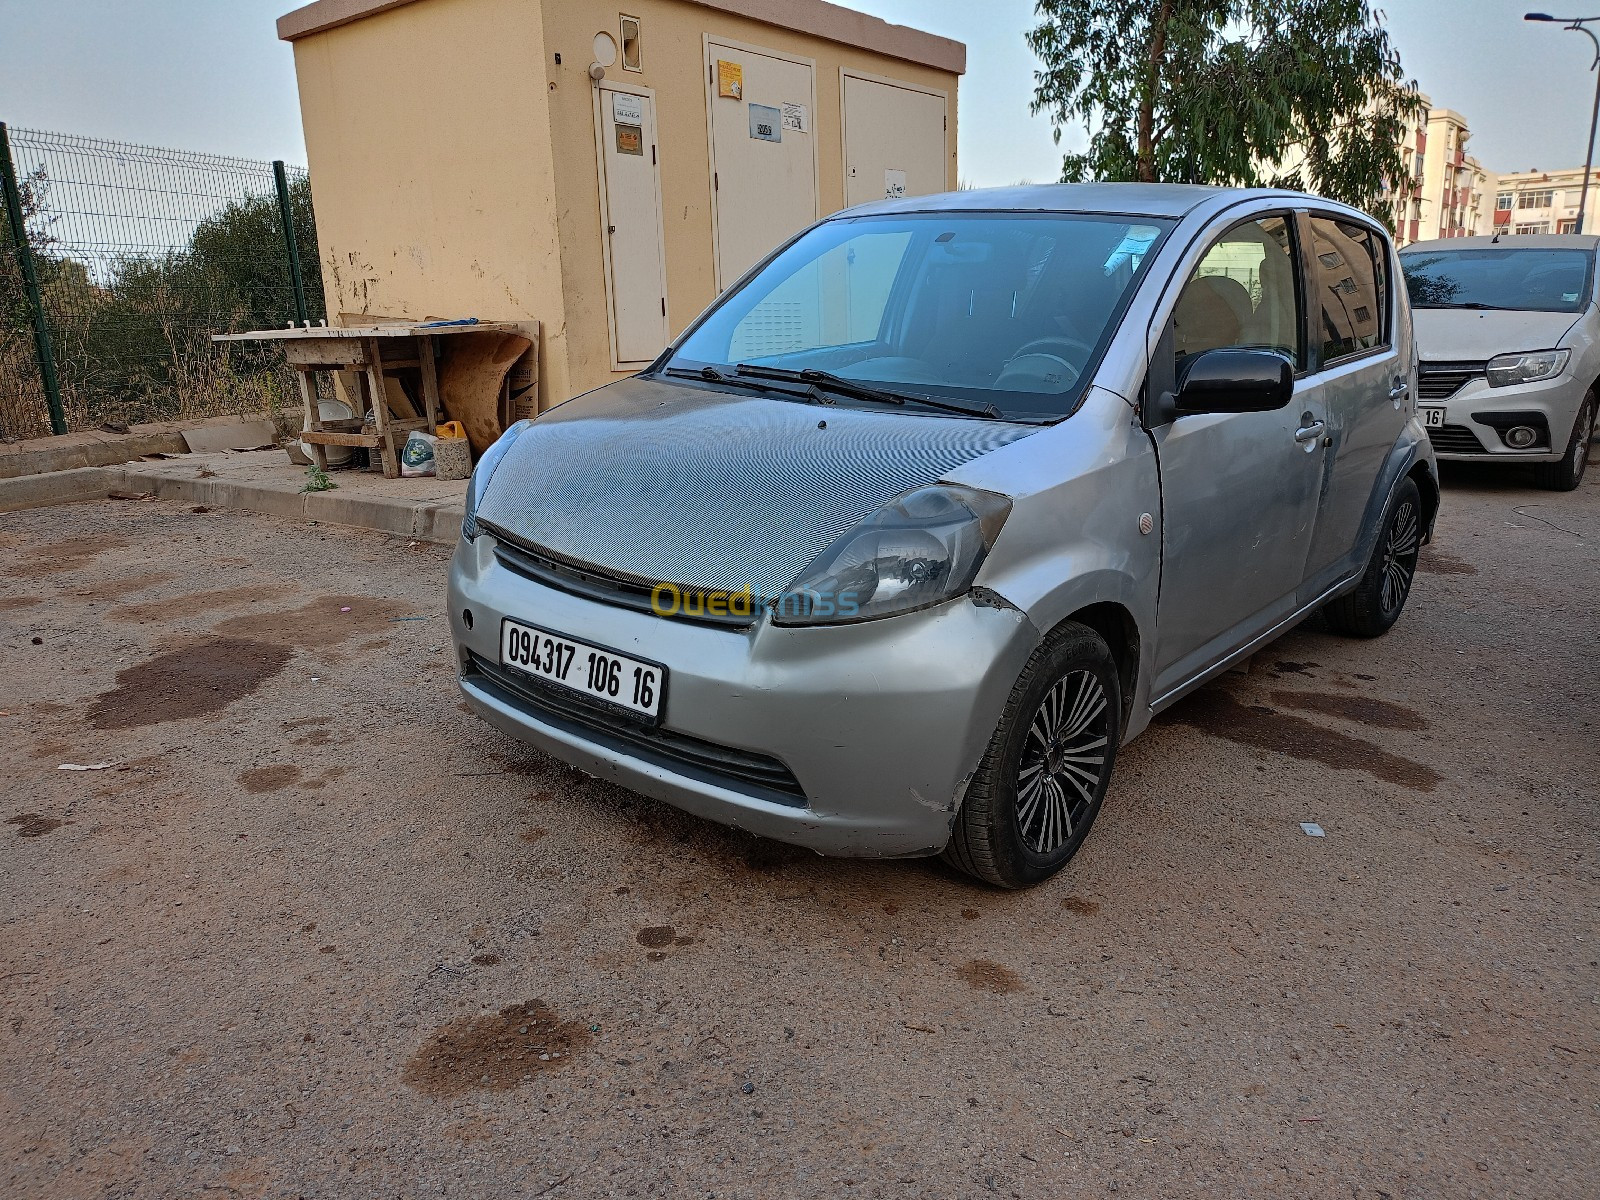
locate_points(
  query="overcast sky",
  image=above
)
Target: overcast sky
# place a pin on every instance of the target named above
(211, 75)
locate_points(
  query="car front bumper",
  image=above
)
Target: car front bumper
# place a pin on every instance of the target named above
(1476, 413)
(848, 739)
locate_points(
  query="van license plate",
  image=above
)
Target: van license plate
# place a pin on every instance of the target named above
(1432, 418)
(615, 680)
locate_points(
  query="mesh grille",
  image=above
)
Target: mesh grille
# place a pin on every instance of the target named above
(1455, 439)
(659, 483)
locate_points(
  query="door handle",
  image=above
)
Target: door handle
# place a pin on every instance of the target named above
(1399, 390)
(1308, 435)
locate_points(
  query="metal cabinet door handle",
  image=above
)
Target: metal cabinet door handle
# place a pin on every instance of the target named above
(1311, 432)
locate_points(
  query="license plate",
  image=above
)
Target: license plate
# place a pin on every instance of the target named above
(613, 679)
(1432, 418)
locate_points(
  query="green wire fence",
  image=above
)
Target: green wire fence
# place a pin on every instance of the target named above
(117, 264)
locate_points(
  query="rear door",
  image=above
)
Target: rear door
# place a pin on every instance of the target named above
(1364, 377)
(1239, 491)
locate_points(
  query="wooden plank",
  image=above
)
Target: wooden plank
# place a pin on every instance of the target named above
(317, 438)
(430, 377)
(313, 415)
(364, 332)
(326, 353)
(380, 411)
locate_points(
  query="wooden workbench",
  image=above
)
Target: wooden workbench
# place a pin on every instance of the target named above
(369, 353)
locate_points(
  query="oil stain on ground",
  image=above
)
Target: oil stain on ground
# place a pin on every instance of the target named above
(194, 681)
(1363, 710)
(1437, 562)
(656, 936)
(271, 778)
(1081, 906)
(985, 976)
(195, 603)
(34, 825)
(319, 622)
(1219, 714)
(494, 1052)
(67, 554)
(12, 603)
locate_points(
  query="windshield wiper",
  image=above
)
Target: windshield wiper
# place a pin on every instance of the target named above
(1475, 304)
(857, 390)
(709, 374)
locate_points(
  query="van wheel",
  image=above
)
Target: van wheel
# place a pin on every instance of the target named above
(1039, 787)
(1567, 474)
(1375, 604)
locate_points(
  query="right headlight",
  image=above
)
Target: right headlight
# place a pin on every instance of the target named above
(1526, 367)
(481, 474)
(920, 549)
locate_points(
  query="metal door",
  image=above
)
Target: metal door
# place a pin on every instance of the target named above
(894, 140)
(630, 207)
(762, 115)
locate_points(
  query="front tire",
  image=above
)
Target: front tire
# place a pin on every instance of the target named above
(1039, 787)
(1567, 474)
(1375, 604)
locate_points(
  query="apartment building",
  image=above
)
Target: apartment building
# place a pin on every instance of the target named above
(1443, 192)
(1544, 202)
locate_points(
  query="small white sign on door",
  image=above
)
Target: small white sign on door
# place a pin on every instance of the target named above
(626, 109)
(894, 184)
(797, 117)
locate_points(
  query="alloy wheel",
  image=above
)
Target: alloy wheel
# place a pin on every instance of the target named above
(1063, 762)
(1400, 557)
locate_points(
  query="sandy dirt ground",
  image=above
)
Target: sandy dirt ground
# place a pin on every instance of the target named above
(318, 932)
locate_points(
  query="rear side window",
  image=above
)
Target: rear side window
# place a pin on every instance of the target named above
(1353, 314)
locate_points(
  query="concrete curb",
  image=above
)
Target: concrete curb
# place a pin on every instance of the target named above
(428, 521)
(97, 448)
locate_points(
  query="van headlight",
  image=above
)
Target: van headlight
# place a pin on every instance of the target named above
(1526, 367)
(921, 548)
(479, 483)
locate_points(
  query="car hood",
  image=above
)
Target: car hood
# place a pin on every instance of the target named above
(660, 482)
(1471, 335)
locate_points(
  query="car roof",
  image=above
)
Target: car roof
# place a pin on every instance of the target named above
(1170, 200)
(1515, 241)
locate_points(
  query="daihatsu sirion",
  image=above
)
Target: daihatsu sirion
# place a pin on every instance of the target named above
(938, 506)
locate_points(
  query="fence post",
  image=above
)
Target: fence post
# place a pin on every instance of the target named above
(287, 213)
(30, 281)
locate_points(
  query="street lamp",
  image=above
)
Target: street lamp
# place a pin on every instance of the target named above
(1581, 24)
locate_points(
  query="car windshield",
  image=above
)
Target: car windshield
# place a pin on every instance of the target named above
(1007, 312)
(1523, 279)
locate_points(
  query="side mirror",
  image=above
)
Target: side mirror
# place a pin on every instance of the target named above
(1229, 379)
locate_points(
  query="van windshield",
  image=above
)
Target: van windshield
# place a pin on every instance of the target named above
(1010, 310)
(1522, 279)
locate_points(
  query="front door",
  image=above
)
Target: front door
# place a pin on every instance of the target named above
(1239, 491)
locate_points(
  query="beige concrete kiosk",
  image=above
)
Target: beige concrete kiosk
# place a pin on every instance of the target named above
(604, 171)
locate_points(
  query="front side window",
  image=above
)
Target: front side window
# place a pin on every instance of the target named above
(1243, 294)
(1007, 309)
(1532, 280)
(1353, 291)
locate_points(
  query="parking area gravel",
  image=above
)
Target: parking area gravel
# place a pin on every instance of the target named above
(306, 928)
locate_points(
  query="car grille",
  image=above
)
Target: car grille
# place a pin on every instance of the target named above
(1455, 439)
(594, 585)
(756, 775)
(1441, 380)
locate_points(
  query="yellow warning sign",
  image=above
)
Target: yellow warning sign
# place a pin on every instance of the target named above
(730, 80)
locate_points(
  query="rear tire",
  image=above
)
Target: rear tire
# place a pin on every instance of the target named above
(1377, 600)
(1567, 474)
(1039, 787)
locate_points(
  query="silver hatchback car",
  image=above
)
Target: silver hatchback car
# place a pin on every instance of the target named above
(1509, 334)
(943, 502)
